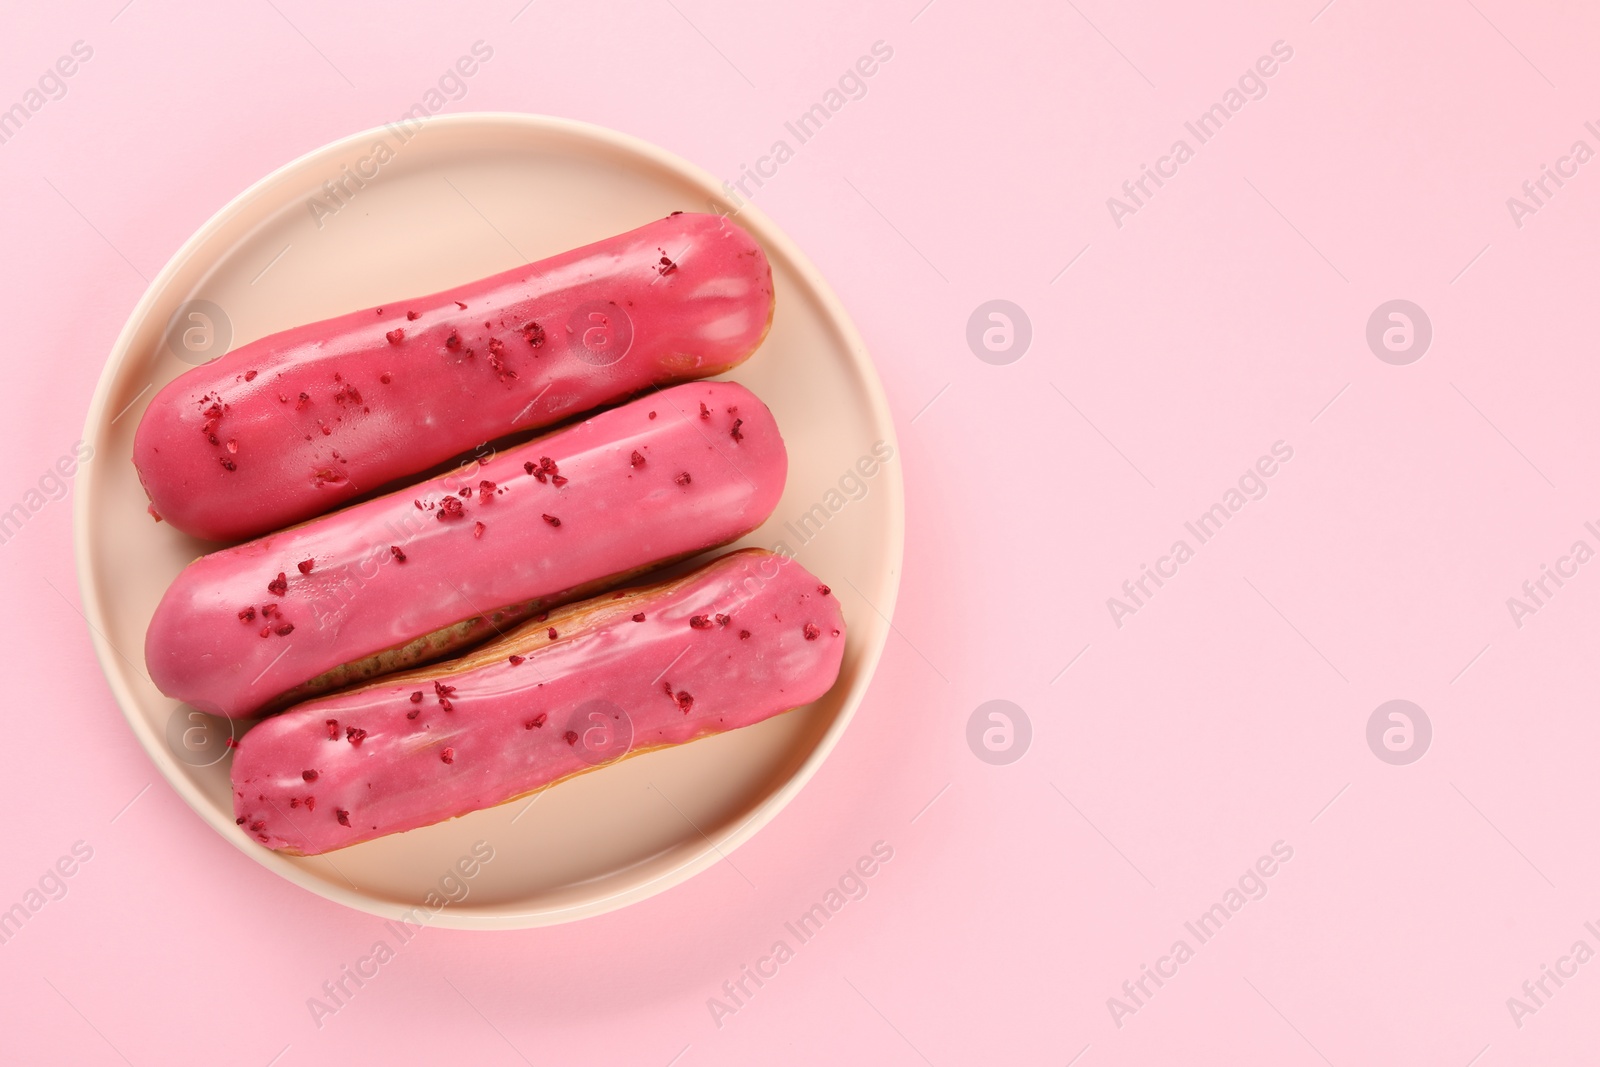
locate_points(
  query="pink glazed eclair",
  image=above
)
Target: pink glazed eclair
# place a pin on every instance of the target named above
(744, 638)
(419, 574)
(295, 423)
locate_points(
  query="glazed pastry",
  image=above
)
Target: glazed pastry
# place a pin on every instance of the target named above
(742, 639)
(419, 574)
(296, 423)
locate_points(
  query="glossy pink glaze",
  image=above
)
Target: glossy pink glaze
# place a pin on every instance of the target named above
(336, 408)
(694, 485)
(597, 689)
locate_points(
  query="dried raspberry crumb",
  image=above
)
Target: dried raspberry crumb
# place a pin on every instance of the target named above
(460, 305)
(448, 755)
(333, 728)
(247, 615)
(744, 635)
(395, 336)
(705, 412)
(154, 514)
(652, 414)
(685, 701)
(443, 690)
(257, 825)
(639, 617)
(733, 409)
(305, 565)
(416, 698)
(413, 713)
(228, 464)
(294, 802)
(240, 820)
(552, 633)
(269, 611)
(683, 479)
(477, 529)
(824, 590)
(666, 687)
(552, 520)
(734, 433)
(450, 508)
(533, 333)
(249, 375)
(384, 378)
(230, 743)
(265, 631)
(412, 316)
(700, 622)
(453, 341)
(723, 620)
(311, 803)
(399, 556)
(543, 615)
(811, 631)
(528, 466)
(535, 723)
(637, 460)
(835, 633)
(279, 585)
(571, 737)
(285, 629)
(517, 660)
(309, 776)
(486, 487)
(354, 734)
(343, 816)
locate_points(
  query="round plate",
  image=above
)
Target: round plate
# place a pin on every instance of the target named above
(393, 213)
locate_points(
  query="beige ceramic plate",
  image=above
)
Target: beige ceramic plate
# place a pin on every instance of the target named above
(412, 212)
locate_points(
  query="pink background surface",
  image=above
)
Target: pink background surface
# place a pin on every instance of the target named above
(1229, 713)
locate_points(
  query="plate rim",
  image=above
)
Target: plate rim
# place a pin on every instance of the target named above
(512, 916)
